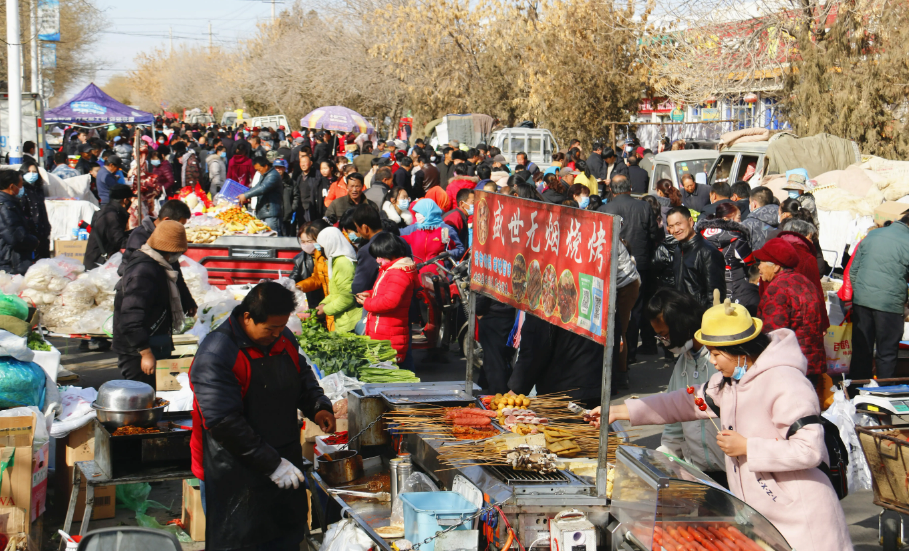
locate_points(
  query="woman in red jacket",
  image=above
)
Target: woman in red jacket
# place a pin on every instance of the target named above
(388, 303)
(240, 169)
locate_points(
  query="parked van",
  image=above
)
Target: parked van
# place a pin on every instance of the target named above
(538, 143)
(270, 121)
(469, 129)
(740, 162)
(672, 165)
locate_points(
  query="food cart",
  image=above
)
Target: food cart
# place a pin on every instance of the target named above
(236, 260)
(515, 505)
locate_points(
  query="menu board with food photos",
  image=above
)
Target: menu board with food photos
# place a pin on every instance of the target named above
(553, 261)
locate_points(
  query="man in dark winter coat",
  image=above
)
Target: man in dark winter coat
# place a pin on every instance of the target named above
(699, 267)
(596, 164)
(641, 233)
(270, 191)
(147, 305)
(575, 367)
(322, 151)
(17, 245)
(313, 190)
(248, 382)
(109, 233)
(764, 217)
(614, 165)
(637, 176)
(720, 193)
(496, 320)
(694, 195)
(291, 197)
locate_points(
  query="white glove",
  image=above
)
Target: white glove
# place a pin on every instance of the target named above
(286, 475)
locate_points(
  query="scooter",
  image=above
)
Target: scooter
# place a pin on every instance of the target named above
(444, 308)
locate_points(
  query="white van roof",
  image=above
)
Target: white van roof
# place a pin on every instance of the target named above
(686, 155)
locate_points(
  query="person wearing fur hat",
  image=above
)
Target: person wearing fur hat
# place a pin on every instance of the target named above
(767, 413)
(790, 301)
(147, 306)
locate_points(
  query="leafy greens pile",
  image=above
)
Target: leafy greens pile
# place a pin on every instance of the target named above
(350, 354)
(37, 342)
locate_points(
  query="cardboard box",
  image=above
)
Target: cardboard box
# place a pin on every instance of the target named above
(16, 437)
(105, 499)
(80, 446)
(193, 516)
(74, 249)
(889, 210)
(166, 372)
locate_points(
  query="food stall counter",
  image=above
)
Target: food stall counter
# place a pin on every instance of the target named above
(240, 259)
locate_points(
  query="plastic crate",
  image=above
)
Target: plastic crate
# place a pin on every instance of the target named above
(232, 189)
(426, 513)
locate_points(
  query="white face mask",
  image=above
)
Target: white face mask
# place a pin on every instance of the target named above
(682, 349)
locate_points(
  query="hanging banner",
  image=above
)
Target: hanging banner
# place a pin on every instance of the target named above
(550, 260)
(49, 55)
(49, 20)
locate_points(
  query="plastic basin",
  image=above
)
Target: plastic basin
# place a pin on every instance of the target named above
(426, 513)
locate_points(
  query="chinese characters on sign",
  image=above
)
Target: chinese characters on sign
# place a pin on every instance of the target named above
(550, 260)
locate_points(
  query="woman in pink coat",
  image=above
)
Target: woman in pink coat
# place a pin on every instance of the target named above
(761, 391)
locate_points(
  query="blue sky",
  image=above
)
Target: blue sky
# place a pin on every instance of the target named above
(135, 26)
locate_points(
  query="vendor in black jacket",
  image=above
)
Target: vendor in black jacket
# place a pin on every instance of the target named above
(496, 321)
(698, 266)
(17, 245)
(109, 233)
(248, 381)
(147, 305)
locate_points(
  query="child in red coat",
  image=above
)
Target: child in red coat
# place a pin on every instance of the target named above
(388, 304)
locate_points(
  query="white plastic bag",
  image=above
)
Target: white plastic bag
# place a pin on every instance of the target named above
(842, 414)
(10, 284)
(75, 410)
(179, 400)
(15, 346)
(196, 277)
(337, 385)
(345, 536)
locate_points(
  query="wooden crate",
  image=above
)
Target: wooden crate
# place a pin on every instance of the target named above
(888, 459)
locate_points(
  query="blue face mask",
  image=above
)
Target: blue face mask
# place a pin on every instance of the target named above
(21, 192)
(353, 237)
(583, 202)
(793, 194)
(739, 372)
(30, 177)
(318, 247)
(223, 155)
(155, 162)
(403, 203)
(470, 210)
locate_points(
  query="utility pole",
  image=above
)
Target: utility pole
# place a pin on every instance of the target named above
(33, 19)
(14, 82)
(171, 40)
(272, 12)
(210, 49)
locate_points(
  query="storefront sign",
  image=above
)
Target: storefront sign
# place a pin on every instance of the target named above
(677, 115)
(710, 114)
(550, 260)
(648, 106)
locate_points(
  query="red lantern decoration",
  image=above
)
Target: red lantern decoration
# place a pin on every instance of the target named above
(750, 98)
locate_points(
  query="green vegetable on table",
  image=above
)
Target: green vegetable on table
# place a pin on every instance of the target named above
(349, 354)
(37, 342)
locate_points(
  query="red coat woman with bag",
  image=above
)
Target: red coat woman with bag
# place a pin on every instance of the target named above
(388, 303)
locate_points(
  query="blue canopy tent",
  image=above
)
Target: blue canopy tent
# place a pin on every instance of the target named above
(92, 107)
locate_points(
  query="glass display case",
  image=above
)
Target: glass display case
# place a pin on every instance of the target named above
(660, 501)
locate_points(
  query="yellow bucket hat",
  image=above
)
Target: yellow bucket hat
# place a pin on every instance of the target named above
(727, 324)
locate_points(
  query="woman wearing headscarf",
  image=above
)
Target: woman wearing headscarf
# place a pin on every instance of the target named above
(429, 236)
(341, 259)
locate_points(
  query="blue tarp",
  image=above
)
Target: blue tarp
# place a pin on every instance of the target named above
(92, 105)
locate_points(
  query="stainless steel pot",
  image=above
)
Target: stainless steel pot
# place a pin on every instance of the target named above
(345, 466)
(113, 419)
(125, 395)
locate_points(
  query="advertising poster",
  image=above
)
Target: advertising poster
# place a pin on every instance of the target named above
(550, 260)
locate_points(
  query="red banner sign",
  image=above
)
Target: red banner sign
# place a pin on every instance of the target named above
(550, 260)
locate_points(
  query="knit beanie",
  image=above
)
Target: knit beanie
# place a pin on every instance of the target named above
(169, 236)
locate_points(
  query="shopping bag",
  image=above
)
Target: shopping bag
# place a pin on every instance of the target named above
(838, 346)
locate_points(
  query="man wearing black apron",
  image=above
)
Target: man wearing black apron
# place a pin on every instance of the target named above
(248, 381)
